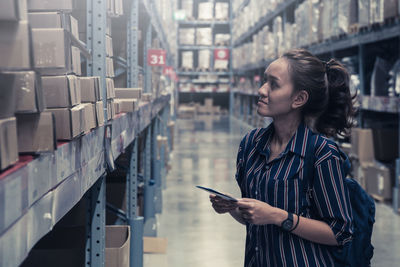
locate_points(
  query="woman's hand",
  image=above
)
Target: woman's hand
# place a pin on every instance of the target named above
(221, 205)
(257, 212)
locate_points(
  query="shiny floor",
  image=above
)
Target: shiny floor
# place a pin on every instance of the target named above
(205, 154)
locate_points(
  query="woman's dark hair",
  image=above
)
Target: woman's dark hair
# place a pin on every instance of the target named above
(329, 100)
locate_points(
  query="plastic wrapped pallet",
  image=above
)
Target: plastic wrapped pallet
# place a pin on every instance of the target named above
(391, 9)
(222, 39)
(186, 36)
(340, 17)
(205, 11)
(187, 6)
(327, 19)
(363, 12)
(204, 36)
(187, 59)
(221, 64)
(204, 59)
(221, 11)
(288, 37)
(278, 35)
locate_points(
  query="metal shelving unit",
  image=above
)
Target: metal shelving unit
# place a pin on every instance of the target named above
(355, 44)
(40, 190)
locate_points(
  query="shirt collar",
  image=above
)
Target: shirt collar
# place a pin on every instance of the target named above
(297, 144)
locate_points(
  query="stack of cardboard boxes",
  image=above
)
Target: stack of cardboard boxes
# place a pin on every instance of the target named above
(375, 176)
(127, 99)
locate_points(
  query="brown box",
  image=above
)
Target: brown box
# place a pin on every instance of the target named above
(110, 88)
(8, 142)
(52, 51)
(7, 95)
(54, 20)
(154, 245)
(44, 5)
(88, 90)
(117, 245)
(36, 132)
(147, 97)
(99, 113)
(362, 146)
(90, 117)
(68, 122)
(110, 67)
(61, 91)
(110, 109)
(109, 46)
(127, 105)
(128, 93)
(76, 60)
(380, 180)
(13, 10)
(14, 46)
(390, 9)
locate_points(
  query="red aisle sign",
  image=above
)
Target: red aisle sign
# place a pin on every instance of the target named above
(156, 57)
(169, 71)
(257, 78)
(221, 54)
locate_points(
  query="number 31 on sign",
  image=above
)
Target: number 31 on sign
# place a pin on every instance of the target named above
(156, 57)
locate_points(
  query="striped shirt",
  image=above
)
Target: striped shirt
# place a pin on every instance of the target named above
(279, 183)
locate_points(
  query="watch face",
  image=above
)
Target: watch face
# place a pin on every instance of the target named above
(287, 225)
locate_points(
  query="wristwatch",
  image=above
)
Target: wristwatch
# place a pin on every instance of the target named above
(288, 223)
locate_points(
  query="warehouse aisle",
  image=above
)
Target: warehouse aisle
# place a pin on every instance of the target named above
(205, 154)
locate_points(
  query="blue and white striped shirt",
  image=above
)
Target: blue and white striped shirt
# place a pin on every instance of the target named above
(279, 183)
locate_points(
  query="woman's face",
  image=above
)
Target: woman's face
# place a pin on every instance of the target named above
(276, 93)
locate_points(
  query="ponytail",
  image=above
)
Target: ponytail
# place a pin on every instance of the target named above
(330, 104)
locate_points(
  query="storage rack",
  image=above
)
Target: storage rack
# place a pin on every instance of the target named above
(354, 44)
(39, 190)
(218, 97)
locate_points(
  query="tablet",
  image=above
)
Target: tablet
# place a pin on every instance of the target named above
(212, 191)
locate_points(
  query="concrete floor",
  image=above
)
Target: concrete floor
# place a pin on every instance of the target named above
(205, 154)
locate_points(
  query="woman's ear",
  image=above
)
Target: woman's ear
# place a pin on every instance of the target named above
(300, 99)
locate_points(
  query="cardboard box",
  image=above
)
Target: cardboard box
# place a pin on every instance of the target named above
(380, 180)
(52, 51)
(90, 117)
(110, 88)
(68, 122)
(127, 105)
(36, 132)
(128, 93)
(147, 97)
(61, 91)
(54, 20)
(45, 5)
(26, 87)
(8, 142)
(76, 60)
(7, 95)
(110, 67)
(362, 146)
(110, 109)
(13, 10)
(90, 89)
(117, 245)
(117, 103)
(109, 46)
(154, 245)
(15, 46)
(99, 113)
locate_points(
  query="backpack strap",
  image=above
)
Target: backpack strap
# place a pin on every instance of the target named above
(308, 174)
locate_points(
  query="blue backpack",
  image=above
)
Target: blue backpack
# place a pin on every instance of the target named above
(359, 251)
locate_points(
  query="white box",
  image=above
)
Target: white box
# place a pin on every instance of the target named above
(14, 46)
(187, 59)
(13, 10)
(205, 11)
(204, 58)
(204, 36)
(186, 36)
(221, 11)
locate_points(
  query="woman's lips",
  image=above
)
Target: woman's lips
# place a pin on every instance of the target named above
(262, 102)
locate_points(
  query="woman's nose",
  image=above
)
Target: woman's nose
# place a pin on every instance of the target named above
(263, 90)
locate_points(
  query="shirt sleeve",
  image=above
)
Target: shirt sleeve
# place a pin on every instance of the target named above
(331, 195)
(240, 165)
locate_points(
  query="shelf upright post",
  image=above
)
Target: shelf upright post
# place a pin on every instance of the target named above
(361, 71)
(164, 132)
(132, 44)
(147, 68)
(95, 226)
(96, 41)
(135, 221)
(231, 94)
(150, 226)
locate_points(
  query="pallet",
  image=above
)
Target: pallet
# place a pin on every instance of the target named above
(220, 70)
(353, 29)
(203, 69)
(187, 69)
(221, 44)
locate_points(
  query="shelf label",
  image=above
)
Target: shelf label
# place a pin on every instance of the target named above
(221, 54)
(156, 57)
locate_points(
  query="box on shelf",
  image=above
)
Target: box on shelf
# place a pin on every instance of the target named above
(110, 88)
(379, 180)
(154, 244)
(13, 10)
(186, 36)
(90, 117)
(68, 122)
(8, 142)
(54, 20)
(117, 105)
(187, 59)
(127, 105)
(221, 11)
(205, 11)
(147, 97)
(109, 46)
(110, 67)
(61, 91)
(362, 146)
(117, 245)
(15, 46)
(76, 60)
(90, 89)
(135, 93)
(99, 113)
(204, 59)
(36, 132)
(222, 38)
(204, 36)
(52, 51)
(187, 6)
(110, 109)
(45, 5)
(8, 95)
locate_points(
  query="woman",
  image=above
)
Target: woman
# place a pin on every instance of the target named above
(300, 93)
